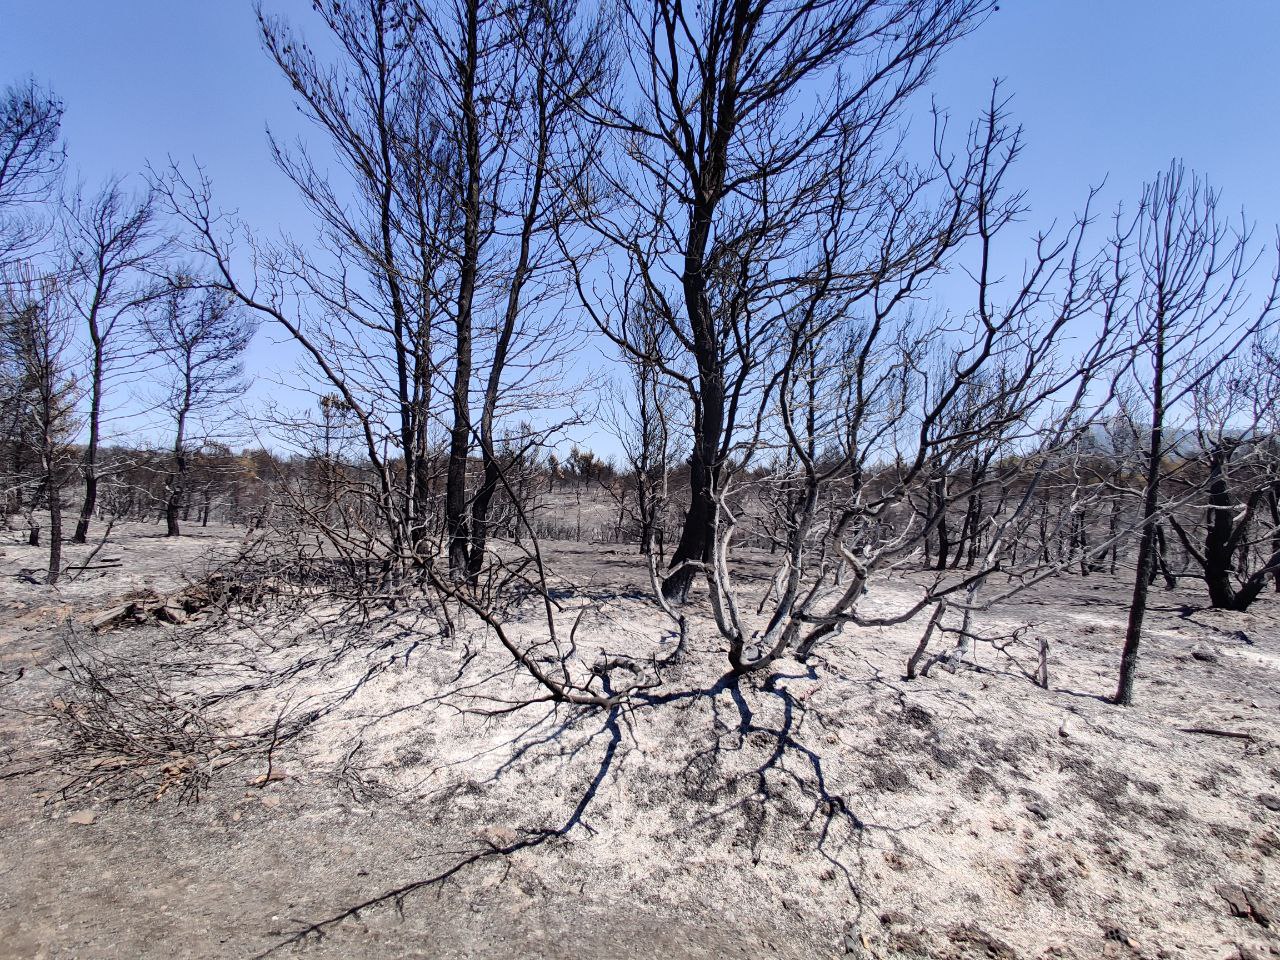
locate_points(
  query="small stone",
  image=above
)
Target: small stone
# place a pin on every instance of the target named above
(1270, 801)
(82, 818)
(271, 801)
(1204, 654)
(1038, 810)
(1245, 904)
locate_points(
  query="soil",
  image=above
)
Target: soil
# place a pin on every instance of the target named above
(826, 809)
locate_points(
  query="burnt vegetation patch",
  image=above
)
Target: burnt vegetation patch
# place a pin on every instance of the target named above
(918, 597)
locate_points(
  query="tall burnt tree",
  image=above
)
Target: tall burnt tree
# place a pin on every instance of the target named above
(503, 82)
(31, 163)
(727, 132)
(1189, 296)
(456, 158)
(113, 241)
(870, 405)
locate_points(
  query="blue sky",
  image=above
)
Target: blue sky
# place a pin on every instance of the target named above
(1106, 89)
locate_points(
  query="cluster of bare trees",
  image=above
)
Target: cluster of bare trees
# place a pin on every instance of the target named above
(427, 299)
(833, 345)
(723, 194)
(90, 296)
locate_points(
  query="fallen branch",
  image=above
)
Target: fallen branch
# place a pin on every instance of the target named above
(1212, 732)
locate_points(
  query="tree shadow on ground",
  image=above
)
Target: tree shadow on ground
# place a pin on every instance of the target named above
(785, 779)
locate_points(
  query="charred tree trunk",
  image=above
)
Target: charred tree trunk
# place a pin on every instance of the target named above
(944, 537)
(455, 498)
(55, 526)
(1161, 565)
(89, 465)
(1219, 539)
(697, 539)
(90, 503)
(1273, 501)
(177, 478)
(1147, 544)
(1080, 541)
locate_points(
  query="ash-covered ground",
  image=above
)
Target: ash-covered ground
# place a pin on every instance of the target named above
(291, 777)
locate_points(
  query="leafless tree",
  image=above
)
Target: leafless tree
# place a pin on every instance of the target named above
(643, 419)
(31, 161)
(201, 334)
(434, 286)
(35, 346)
(1236, 462)
(1189, 296)
(114, 244)
(729, 129)
(504, 83)
(870, 405)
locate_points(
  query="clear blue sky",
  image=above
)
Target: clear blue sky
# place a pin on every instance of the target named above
(1105, 89)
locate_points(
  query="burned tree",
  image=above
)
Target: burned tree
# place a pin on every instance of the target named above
(728, 136)
(114, 242)
(504, 83)
(1188, 293)
(643, 419)
(436, 253)
(201, 335)
(40, 391)
(1234, 475)
(31, 160)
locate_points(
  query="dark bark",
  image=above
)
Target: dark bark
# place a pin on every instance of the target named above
(89, 465)
(55, 528)
(697, 539)
(178, 473)
(455, 497)
(944, 537)
(488, 441)
(1273, 503)
(90, 502)
(1226, 541)
(1147, 545)
(1219, 541)
(1161, 565)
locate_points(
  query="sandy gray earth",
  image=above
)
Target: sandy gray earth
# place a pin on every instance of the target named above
(831, 809)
